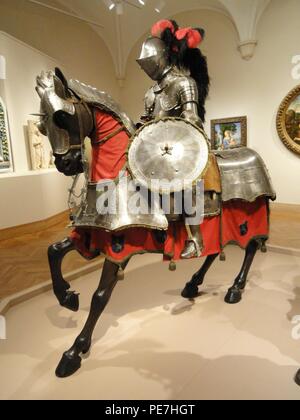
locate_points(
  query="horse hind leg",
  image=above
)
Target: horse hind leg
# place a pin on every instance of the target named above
(234, 294)
(191, 288)
(71, 360)
(297, 378)
(56, 254)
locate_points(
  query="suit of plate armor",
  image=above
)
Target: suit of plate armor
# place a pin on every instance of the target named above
(174, 95)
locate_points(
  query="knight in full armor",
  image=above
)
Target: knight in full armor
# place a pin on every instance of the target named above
(171, 58)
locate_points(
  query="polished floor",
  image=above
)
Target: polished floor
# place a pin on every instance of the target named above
(152, 344)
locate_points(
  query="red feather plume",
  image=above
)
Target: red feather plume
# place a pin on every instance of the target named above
(161, 26)
(192, 36)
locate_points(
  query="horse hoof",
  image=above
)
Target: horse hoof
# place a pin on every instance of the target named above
(71, 301)
(68, 366)
(190, 292)
(297, 378)
(233, 296)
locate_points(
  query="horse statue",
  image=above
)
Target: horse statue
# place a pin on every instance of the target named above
(236, 205)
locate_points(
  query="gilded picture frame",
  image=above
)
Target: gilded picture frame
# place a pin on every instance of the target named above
(229, 133)
(288, 120)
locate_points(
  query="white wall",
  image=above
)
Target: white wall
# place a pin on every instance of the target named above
(26, 196)
(254, 88)
(31, 40)
(31, 197)
(23, 64)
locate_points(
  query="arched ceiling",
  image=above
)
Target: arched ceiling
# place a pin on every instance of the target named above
(120, 33)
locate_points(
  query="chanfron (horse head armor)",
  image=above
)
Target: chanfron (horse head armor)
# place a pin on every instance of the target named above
(64, 119)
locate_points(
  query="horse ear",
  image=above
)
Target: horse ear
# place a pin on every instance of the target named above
(59, 74)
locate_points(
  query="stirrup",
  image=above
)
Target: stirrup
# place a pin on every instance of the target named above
(186, 253)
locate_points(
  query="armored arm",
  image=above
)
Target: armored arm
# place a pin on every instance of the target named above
(189, 98)
(149, 107)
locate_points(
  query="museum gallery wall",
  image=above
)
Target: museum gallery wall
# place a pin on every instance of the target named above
(40, 50)
(253, 89)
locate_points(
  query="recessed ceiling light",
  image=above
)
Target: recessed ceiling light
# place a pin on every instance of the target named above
(110, 4)
(160, 6)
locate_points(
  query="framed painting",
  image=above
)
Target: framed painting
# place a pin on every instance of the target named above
(288, 120)
(5, 149)
(229, 133)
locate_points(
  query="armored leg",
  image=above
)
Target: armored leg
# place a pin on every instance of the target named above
(191, 289)
(234, 294)
(56, 254)
(71, 360)
(194, 244)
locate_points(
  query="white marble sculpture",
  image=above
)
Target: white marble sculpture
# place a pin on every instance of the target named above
(41, 155)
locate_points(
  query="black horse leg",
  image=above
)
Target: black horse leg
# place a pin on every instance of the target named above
(56, 254)
(297, 378)
(71, 360)
(191, 289)
(234, 294)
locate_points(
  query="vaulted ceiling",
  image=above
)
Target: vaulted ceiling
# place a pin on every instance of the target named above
(120, 32)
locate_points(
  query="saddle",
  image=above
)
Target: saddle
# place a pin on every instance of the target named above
(212, 178)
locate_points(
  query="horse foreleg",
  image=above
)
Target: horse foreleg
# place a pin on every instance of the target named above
(56, 254)
(191, 289)
(297, 378)
(71, 360)
(234, 294)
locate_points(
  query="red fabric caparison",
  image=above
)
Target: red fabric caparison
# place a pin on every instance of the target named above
(108, 158)
(217, 232)
(239, 223)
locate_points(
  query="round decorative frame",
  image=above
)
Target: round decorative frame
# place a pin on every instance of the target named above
(281, 121)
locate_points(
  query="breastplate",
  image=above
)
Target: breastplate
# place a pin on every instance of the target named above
(166, 101)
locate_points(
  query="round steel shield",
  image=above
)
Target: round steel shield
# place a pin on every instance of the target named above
(166, 154)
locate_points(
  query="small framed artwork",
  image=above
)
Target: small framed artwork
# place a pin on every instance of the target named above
(6, 164)
(288, 120)
(229, 133)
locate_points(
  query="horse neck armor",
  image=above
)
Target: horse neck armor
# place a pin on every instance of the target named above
(93, 97)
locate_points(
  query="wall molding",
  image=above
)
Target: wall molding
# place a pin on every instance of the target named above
(286, 209)
(7, 303)
(35, 227)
